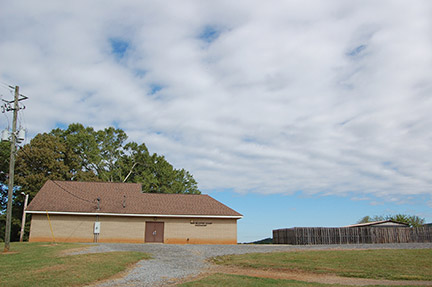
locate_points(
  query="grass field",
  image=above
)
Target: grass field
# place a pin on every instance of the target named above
(240, 281)
(228, 280)
(390, 264)
(39, 264)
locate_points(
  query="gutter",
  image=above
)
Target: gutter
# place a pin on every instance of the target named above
(135, 215)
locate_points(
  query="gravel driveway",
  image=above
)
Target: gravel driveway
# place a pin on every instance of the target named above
(172, 262)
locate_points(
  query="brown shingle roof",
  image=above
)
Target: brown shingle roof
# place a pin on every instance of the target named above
(122, 198)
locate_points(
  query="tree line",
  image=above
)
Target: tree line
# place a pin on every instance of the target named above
(80, 153)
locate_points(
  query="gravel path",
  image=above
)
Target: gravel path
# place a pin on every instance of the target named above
(171, 262)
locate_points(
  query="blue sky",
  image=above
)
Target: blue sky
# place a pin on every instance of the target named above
(298, 113)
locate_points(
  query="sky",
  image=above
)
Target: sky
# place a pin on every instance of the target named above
(294, 113)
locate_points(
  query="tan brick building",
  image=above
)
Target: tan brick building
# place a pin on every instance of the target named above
(120, 212)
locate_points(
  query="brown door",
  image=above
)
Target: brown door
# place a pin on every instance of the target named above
(154, 232)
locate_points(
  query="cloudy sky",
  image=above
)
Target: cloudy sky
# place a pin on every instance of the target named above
(318, 112)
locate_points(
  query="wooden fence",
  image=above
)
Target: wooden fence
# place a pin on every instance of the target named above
(353, 235)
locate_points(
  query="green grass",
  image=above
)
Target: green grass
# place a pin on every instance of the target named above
(242, 281)
(41, 264)
(390, 264)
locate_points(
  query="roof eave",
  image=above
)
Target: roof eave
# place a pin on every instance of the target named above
(136, 215)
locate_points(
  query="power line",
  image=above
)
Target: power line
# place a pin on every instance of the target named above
(64, 189)
(6, 85)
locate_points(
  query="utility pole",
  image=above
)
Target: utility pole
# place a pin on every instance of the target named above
(23, 220)
(15, 108)
(11, 172)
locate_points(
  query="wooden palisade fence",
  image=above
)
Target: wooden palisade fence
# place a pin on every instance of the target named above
(352, 235)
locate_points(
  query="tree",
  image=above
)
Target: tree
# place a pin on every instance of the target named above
(82, 144)
(368, 218)
(154, 172)
(111, 142)
(82, 153)
(96, 151)
(412, 220)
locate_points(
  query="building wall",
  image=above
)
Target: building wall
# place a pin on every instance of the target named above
(70, 228)
(389, 224)
(200, 231)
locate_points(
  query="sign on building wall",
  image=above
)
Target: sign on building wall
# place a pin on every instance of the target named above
(200, 223)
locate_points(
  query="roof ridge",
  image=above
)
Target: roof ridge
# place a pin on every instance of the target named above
(104, 182)
(160, 193)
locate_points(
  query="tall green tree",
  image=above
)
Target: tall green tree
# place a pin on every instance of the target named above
(82, 143)
(106, 154)
(96, 151)
(154, 172)
(82, 153)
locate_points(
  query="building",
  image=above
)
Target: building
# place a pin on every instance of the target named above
(67, 211)
(383, 223)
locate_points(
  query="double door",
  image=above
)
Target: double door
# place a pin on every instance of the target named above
(154, 231)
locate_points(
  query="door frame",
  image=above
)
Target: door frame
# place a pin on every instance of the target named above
(148, 238)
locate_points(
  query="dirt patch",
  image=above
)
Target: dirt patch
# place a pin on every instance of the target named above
(301, 276)
(72, 251)
(9, 252)
(203, 274)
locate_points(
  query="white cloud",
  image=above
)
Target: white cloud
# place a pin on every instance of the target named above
(328, 98)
